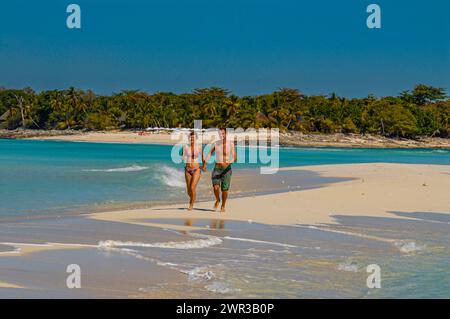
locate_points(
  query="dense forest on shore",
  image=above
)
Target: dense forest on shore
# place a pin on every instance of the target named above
(423, 111)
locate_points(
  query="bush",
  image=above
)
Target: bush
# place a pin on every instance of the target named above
(349, 127)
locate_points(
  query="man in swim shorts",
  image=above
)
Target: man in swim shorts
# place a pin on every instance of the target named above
(221, 174)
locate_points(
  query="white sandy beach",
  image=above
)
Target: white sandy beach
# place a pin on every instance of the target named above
(292, 138)
(112, 137)
(375, 190)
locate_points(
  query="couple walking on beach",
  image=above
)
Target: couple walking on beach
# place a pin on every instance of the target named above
(225, 153)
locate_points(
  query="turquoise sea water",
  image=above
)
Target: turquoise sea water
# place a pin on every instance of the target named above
(50, 177)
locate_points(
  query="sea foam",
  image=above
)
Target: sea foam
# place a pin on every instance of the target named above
(408, 247)
(350, 266)
(170, 176)
(220, 288)
(199, 273)
(259, 241)
(190, 244)
(132, 168)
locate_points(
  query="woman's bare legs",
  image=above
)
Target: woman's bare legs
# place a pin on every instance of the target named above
(193, 188)
(224, 201)
(188, 179)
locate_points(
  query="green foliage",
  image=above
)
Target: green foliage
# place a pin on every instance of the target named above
(13, 121)
(422, 111)
(424, 94)
(399, 122)
(348, 126)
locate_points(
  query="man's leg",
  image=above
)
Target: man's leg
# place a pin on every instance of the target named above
(216, 189)
(224, 200)
(226, 181)
(216, 186)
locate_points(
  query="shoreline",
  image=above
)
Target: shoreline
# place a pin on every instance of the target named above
(369, 190)
(393, 182)
(374, 190)
(295, 139)
(245, 185)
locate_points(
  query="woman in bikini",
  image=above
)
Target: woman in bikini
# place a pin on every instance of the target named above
(192, 171)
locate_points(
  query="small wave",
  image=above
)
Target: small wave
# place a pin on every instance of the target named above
(170, 176)
(410, 151)
(408, 247)
(348, 266)
(327, 149)
(133, 168)
(325, 229)
(220, 287)
(166, 264)
(8, 252)
(191, 244)
(284, 251)
(199, 273)
(153, 288)
(259, 241)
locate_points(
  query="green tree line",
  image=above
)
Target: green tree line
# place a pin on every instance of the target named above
(422, 111)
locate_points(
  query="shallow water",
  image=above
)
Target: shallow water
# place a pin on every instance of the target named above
(229, 259)
(241, 259)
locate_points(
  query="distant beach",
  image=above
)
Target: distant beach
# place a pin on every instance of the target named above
(286, 139)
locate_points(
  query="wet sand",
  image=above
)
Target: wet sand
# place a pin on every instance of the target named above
(34, 256)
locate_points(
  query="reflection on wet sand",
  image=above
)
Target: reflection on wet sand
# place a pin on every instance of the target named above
(217, 224)
(214, 224)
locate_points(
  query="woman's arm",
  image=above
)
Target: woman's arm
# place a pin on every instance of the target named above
(183, 154)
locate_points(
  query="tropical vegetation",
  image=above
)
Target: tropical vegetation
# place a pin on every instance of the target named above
(422, 111)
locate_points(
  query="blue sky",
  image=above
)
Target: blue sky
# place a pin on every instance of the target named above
(247, 46)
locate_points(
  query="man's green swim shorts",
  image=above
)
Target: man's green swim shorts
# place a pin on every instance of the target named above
(222, 176)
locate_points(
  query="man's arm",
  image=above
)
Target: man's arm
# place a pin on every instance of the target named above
(234, 153)
(205, 160)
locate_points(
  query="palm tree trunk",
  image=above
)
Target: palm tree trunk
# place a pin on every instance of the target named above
(22, 112)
